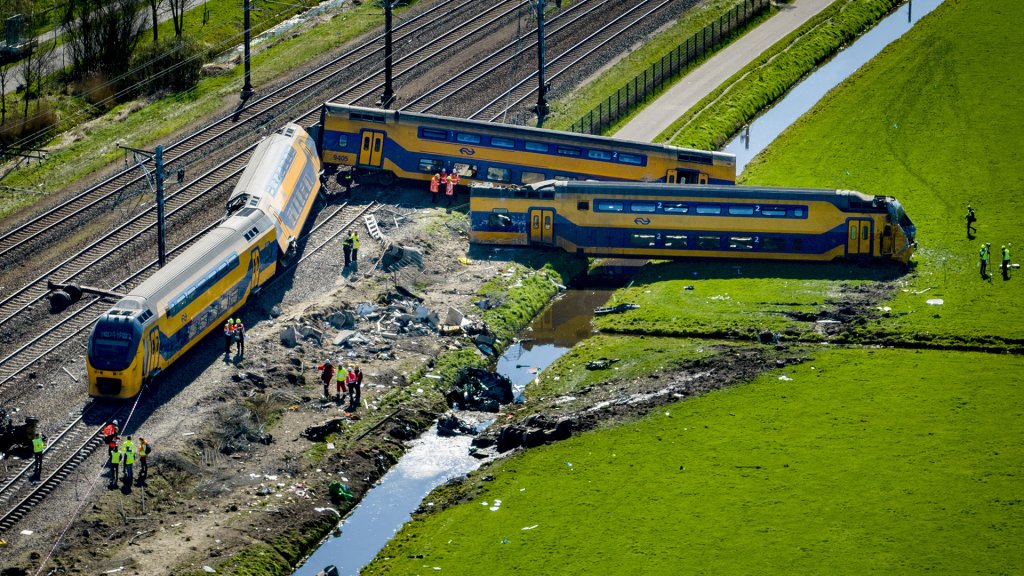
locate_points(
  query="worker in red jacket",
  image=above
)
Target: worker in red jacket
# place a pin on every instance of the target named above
(326, 375)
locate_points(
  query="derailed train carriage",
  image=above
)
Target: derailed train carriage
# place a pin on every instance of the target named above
(161, 319)
(631, 219)
(382, 145)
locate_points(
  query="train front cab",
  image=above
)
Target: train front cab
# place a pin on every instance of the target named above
(113, 358)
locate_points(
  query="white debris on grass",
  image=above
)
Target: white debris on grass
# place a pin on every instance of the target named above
(784, 377)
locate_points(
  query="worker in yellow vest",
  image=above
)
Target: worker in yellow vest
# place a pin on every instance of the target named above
(354, 240)
(129, 460)
(115, 463)
(38, 446)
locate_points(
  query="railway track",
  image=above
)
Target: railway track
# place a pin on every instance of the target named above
(515, 96)
(79, 438)
(218, 134)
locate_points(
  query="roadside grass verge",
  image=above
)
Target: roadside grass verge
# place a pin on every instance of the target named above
(927, 122)
(710, 123)
(571, 107)
(734, 299)
(92, 146)
(826, 471)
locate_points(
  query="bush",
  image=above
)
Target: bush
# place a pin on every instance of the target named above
(174, 65)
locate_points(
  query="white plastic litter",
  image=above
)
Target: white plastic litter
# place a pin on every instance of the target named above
(531, 527)
(784, 377)
(936, 302)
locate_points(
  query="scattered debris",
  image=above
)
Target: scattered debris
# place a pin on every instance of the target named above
(615, 309)
(477, 389)
(935, 302)
(601, 363)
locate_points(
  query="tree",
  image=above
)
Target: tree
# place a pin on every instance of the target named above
(101, 35)
(178, 8)
(4, 69)
(153, 6)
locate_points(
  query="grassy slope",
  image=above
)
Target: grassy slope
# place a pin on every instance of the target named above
(828, 472)
(932, 122)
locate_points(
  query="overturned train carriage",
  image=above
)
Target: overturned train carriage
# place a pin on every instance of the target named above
(662, 221)
(200, 289)
(382, 145)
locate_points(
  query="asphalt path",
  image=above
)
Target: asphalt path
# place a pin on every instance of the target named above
(697, 84)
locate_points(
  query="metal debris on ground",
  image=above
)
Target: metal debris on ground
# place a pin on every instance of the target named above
(615, 309)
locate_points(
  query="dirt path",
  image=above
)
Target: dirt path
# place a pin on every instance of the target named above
(693, 87)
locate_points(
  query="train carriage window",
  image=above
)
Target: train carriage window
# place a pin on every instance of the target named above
(609, 206)
(465, 170)
(708, 209)
(645, 207)
(599, 155)
(633, 159)
(335, 140)
(467, 138)
(583, 205)
(499, 142)
(433, 134)
(773, 211)
(430, 166)
(377, 144)
(495, 174)
(743, 210)
(773, 244)
(675, 241)
(531, 177)
(742, 242)
(565, 178)
(499, 218)
(568, 151)
(799, 212)
(644, 240)
(367, 117)
(695, 157)
(675, 207)
(866, 233)
(709, 242)
(536, 146)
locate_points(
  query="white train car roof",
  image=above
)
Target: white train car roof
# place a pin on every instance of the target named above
(191, 264)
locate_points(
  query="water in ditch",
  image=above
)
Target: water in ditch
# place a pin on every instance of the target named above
(807, 93)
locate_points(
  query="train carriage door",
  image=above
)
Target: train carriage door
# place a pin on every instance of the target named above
(153, 353)
(702, 178)
(542, 226)
(254, 258)
(672, 177)
(371, 148)
(858, 237)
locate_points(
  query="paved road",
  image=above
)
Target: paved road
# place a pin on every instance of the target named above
(700, 82)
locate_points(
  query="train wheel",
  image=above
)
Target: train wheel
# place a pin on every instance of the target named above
(74, 292)
(386, 178)
(59, 300)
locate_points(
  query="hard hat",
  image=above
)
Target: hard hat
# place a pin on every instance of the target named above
(327, 362)
(115, 422)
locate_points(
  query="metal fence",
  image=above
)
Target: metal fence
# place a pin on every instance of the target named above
(668, 68)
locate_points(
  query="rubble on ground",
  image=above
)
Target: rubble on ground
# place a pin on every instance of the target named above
(477, 389)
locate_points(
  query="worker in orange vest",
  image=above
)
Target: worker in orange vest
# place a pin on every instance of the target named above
(435, 182)
(449, 188)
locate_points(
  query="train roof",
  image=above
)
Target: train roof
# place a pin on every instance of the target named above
(721, 158)
(212, 248)
(702, 191)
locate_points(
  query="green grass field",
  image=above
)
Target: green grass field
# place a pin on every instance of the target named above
(859, 460)
(827, 471)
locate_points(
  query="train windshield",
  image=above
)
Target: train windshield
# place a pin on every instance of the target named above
(899, 215)
(113, 342)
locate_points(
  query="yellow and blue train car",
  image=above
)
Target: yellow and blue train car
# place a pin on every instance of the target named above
(632, 219)
(388, 144)
(161, 319)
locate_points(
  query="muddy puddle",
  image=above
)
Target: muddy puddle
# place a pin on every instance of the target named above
(767, 127)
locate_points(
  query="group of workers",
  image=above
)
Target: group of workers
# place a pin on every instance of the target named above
(123, 453)
(985, 253)
(349, 379)
(234, 331)
(449, 180)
